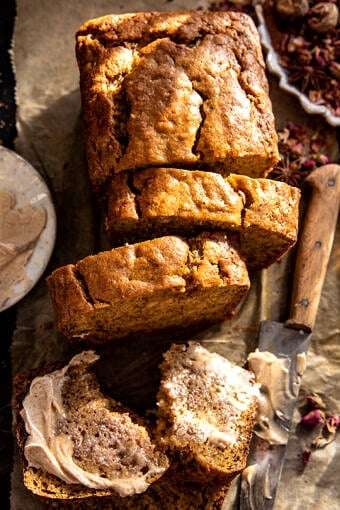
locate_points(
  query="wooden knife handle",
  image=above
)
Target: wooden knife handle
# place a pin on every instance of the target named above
(314, 246)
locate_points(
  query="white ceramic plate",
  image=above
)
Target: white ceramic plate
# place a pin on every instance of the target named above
(18, 176)
(272, 62)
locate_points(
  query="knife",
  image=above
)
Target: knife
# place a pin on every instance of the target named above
(285, 345)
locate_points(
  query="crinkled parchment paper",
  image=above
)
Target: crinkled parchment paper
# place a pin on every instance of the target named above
(50, 138)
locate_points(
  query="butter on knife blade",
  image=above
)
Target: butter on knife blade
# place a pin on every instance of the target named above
(282, 347)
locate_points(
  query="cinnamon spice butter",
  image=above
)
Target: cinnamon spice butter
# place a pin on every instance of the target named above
(279, 387)
(19, 231)
(233, 389)
(51, 448)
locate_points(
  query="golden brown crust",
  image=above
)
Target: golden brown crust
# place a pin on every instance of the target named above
(162, 201)
(183, 89)
(270, 219)
(159, 284)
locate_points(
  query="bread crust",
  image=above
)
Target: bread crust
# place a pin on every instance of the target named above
(148, 287)
(262, 213)
(183, 89)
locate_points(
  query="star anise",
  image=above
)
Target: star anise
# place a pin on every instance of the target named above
(289, 171)
(301, 149)
(308, 77)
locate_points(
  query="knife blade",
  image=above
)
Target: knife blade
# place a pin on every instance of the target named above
(286, 344)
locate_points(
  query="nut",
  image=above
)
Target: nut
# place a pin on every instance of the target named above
(291, 10)
(323, 17)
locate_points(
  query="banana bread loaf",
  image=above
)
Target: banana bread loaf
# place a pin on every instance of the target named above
(206, 412)
(154, 202)
(151, 286)
(77, 443)
(181, 89)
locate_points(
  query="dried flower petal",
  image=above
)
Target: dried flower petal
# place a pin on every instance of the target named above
(333, 424)
(335, 69)
(309, 164)
(234, 5)
(307, 456)
(300, 149)
(322, 159)
(322, 442)
(315, 401)
(296, 130)
(313, 418)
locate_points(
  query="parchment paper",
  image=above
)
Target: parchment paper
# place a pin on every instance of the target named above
(50, 137)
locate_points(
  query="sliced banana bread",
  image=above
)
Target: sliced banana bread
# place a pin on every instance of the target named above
(80, 449)
(155, 285)
(207, 409)
(75, 442)
(164, 201)
(182, 89)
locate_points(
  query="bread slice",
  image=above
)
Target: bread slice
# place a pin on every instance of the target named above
(75, 442)
(163, 201)
(178, 89)
(156, 285)
(61, 403)
(206, 412)
(164, 494)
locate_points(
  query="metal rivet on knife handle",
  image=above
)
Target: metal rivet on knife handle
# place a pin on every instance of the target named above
(315, 246)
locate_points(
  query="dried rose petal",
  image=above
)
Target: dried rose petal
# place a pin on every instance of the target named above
(334, 68)
(333, 424)
(301, 150)
(313, 418)
(309, 164)
(296, 130)
(315, 401)
(316, 96)
(315, 145)
(322, 442)
(297, 148)
(307, 456)
(322, 159)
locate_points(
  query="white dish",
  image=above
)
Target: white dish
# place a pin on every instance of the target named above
(29, 188)
(273, 65)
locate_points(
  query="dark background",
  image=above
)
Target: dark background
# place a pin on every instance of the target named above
(7, 317)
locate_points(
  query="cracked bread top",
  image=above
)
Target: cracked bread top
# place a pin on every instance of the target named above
(155, 285)
(263, 213)
(175, 89)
